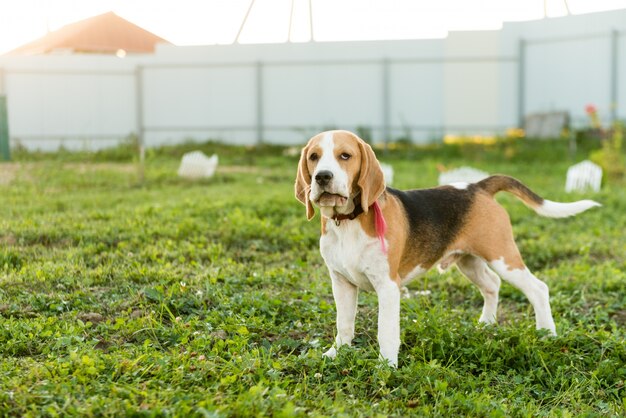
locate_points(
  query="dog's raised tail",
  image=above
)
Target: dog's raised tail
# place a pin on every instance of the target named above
(543, 207)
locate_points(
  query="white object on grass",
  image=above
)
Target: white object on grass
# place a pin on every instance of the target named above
(582, 176)
(387, 173)
(462, 175)
(196, 165)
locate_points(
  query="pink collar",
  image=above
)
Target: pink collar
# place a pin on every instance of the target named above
(379, 222)
(381, 225)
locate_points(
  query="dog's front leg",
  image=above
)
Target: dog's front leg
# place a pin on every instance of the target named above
(345, 294)
(388, 320)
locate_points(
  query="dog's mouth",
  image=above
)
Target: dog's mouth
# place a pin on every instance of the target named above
(331, 199)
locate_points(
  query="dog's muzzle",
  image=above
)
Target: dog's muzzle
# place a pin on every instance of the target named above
(326, 190)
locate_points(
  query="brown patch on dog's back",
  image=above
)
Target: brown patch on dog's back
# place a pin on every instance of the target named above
(487, 233)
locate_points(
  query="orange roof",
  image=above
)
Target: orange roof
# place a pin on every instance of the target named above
(106, 33)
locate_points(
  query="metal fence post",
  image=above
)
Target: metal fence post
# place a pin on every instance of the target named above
(614, 75)
(386, 102)
(521, 82)
(5, 149)
(259, 103)
(140, 123)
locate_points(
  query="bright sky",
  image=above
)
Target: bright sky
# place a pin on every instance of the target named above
(198, 22)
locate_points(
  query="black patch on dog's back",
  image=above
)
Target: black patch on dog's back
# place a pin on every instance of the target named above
(435, 217)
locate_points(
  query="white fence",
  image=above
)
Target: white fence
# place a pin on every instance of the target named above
(476, 82)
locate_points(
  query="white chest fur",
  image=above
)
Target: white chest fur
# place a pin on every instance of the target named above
(351, 253)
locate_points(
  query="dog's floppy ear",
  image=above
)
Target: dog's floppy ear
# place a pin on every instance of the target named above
(303, 184)
(371, 179)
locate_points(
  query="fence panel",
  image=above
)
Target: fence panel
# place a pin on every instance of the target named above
(568, 75)
(416, 100)
(73, 110)
(474, 87)
(199, 102)
(300, 99)
(620, 110)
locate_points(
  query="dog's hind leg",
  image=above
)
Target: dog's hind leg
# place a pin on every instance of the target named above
(512, 269)
(491, 239)
(487, 282)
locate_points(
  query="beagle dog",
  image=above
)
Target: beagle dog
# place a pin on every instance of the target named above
(378, 238)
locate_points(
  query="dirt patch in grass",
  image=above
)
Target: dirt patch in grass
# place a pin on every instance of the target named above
(93, 317)
(11, 171)
(8, 240)
(84, 168)
(8, 172)
(619, 317)
(238, 169)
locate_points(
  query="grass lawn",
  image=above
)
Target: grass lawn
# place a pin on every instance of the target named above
(210, 298)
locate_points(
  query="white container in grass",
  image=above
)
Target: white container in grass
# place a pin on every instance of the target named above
(462, 175)
(387, 173)
(583, 176)
(196, 165)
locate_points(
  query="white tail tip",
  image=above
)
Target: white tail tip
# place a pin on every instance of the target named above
(563, 210)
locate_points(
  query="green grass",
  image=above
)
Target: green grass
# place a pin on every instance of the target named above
(210, 298)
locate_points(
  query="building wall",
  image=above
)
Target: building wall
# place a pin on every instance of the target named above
(467, 83)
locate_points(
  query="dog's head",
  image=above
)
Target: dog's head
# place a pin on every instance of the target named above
(335, 167)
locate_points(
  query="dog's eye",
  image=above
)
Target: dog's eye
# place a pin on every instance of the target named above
(345, 156)
(313, 157)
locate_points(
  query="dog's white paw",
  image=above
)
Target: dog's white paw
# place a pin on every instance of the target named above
(487, 320)
(331, 353)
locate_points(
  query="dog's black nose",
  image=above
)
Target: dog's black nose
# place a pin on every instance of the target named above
(323, 177)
